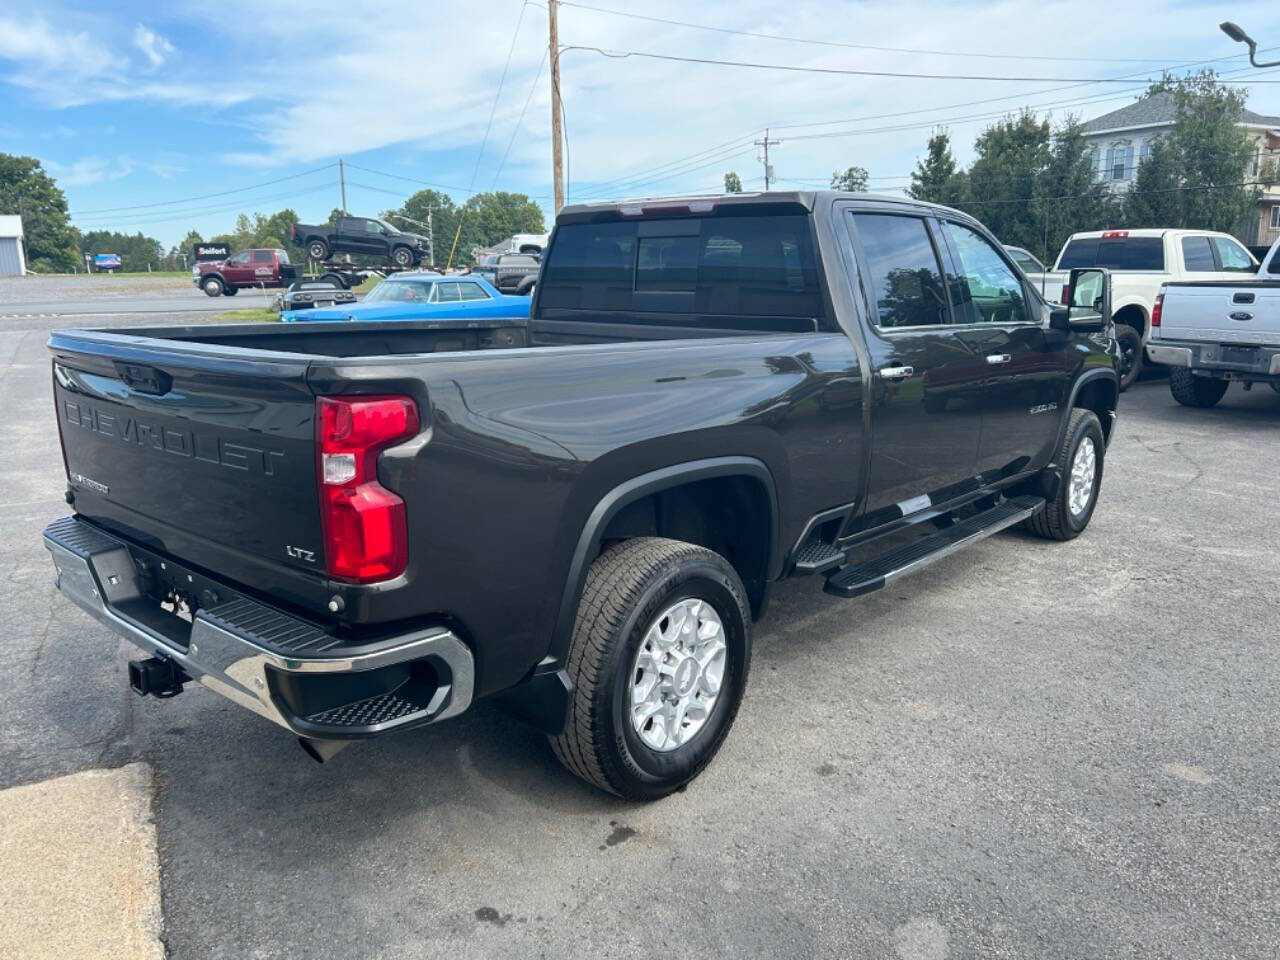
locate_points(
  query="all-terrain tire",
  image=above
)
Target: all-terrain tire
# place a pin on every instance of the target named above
(627, 589)
(402, 257)
(1192, 391)
(318, 250)
(1130, 341)
(1057, 521)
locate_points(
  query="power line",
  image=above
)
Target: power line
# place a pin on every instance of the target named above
(842, 71)
(238, 207)
(493, 108)
(520, 119)
(417, 180)
(863, 46)
(207, 196)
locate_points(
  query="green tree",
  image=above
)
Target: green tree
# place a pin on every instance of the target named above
(1066, 196)
(484, 220)
(854, 180)
(138, 252)
(25, 189)
(732, 182)
(936, 178)
(1011, 155)
(1209, 155)
(1156, 197)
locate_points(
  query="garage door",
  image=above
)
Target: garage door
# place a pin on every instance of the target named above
(10, 257)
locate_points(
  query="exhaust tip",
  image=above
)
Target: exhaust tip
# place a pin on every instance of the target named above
(321, 751)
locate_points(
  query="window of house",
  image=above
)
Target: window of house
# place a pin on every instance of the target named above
(1121, 161)
(1144, 152)
(1275, 217)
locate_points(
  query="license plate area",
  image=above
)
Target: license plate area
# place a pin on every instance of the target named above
(1246, 356)
(166, 596)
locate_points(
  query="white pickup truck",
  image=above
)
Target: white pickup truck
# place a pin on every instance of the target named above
(1212, 332)
(1141, 261)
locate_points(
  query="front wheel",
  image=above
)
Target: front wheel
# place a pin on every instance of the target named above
(1192, 391)
(212, 287)
(1079, 459)
(659, 661)
(402, 257)
(1130, 343)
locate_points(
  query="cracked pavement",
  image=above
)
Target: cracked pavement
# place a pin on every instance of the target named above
(1030, 749)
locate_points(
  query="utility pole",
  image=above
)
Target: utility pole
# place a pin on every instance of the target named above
(342, 184)
(557, 160)
(766, 143)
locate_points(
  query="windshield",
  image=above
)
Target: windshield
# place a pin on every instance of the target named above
(400, 291)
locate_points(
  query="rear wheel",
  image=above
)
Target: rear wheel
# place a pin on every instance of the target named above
(1130, 343)
(1192, 391)
(1079, 459)
(212, 286)
(230, 291)
(659, 661)
(318, 250)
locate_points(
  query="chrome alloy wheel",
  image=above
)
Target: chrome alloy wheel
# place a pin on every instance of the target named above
(676, 677)
(1084, 467)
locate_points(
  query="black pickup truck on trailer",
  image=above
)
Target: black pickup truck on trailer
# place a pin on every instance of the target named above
(364, 235)
(357, 528)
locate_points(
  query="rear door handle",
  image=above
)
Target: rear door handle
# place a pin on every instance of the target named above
(896, 373)
(995, 359)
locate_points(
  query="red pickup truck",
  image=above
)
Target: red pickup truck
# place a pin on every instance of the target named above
(260, 269)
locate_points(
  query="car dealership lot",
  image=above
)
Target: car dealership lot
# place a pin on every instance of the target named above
(1030, 749)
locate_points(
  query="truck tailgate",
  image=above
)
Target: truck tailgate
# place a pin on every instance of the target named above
(1246, 313)
(196, 453)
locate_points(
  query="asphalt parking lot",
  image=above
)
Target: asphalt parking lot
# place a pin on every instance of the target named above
(1029, 750)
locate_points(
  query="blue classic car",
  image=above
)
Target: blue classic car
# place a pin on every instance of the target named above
(422, 296)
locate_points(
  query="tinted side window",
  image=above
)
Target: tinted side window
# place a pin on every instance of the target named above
(902, 268)
(1233, 257)
(1274, 266)
(1197, 255)
(261, 256)
(990, 291)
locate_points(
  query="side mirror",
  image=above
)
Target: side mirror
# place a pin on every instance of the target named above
(1088, 306)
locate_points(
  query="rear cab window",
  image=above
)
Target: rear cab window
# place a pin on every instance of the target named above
(732, 272)
(1114, 252)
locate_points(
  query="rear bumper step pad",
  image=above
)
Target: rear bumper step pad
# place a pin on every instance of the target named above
(290, 671)
(857, 579)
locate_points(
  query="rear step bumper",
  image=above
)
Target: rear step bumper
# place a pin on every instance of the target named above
(279, 666)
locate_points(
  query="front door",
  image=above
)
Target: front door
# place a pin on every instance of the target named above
(1025, 364)
(237, 269)
(926, 416)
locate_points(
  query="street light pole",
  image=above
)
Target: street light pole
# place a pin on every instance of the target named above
(1233, 31)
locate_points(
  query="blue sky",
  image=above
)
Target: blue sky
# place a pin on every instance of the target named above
(138, 108)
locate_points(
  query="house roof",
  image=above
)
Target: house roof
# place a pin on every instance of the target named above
(1156, 109)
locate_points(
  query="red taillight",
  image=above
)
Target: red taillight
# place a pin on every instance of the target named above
(365, 536)
(1157, 308)
(1066, 295)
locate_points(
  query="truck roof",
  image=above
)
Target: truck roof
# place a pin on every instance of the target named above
(804, 200)
(1119, 232)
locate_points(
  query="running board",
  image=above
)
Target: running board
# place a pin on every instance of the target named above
(855, 580)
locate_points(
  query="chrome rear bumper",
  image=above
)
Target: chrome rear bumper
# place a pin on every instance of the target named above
(279, 666)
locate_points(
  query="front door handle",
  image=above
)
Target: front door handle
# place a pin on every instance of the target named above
(896, 373)
(995, 359)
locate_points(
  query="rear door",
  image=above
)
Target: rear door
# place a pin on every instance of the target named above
(264, 266)
(1026, 364)
(195, 453)
(927, 390)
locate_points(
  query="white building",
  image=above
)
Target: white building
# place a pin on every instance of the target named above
(1121, 140)
(12, 261)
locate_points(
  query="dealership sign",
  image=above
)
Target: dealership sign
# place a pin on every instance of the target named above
(106, 261)
(212, 251)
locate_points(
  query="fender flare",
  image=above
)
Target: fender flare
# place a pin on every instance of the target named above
(545, 698)
(1089, 376)
(588, 546)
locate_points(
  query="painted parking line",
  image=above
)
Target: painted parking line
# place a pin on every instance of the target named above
(81, 875)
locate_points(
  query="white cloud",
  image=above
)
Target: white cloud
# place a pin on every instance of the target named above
(89, 170)
(41, 51)
(153, 46)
